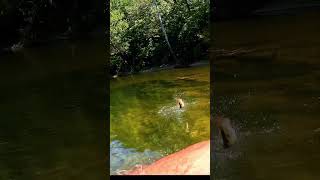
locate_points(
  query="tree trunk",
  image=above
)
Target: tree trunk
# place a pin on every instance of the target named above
(164, 32)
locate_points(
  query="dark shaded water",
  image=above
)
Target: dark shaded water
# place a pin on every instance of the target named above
(52, 111)
(274, 102)
(145, 121)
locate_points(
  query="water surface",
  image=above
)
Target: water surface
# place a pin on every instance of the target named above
(145, 121)
(274, 101)
(52, 111)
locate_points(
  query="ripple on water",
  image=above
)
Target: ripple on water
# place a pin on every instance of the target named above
(174, 112)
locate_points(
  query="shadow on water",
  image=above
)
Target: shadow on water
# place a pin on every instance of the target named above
(51, 101)
(146, 122)
(274, 104)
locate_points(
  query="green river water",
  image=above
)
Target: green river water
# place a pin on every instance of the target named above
(273, 101)
(145, 122)
(52, 112)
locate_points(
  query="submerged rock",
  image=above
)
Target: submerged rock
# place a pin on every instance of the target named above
(122, 158)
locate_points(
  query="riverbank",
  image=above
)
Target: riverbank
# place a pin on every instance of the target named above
(163, 67)
(52, 40)
(230, 10)
(287, 7)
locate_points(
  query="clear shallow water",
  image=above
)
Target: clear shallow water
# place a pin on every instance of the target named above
(145, 122)
(274, 102)
(52, 112)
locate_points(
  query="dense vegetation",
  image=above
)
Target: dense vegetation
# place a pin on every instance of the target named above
(28, 22)
(146, 33)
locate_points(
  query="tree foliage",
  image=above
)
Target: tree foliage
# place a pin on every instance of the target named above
(138, 41)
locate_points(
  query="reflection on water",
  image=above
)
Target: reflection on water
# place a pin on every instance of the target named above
(274, 104)
(51, 101)
(146, 122)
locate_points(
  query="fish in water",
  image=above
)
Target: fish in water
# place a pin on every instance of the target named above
(180, 103)
(227, 132)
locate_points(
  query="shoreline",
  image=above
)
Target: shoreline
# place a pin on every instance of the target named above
(279, 8)
(52, 40)
(162, 68)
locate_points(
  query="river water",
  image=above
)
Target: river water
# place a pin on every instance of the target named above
(145, 122)
(272, 97)
(52, 110)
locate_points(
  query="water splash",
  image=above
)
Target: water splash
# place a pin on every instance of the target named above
(173, 112)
